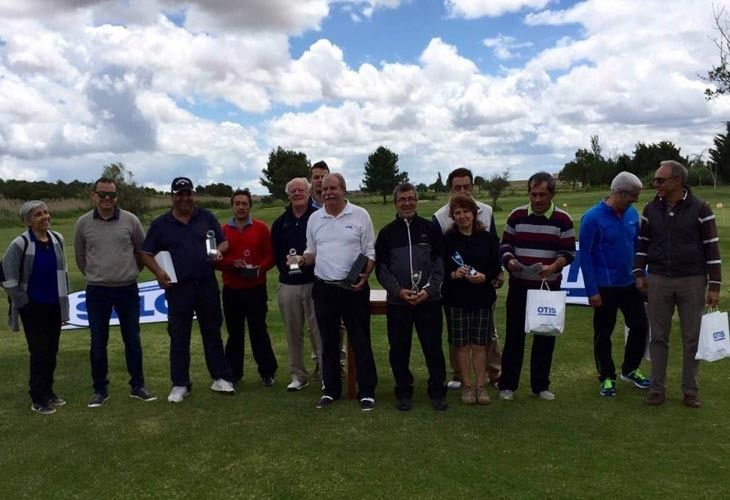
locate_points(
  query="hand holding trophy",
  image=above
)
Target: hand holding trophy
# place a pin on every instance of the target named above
(293, 261)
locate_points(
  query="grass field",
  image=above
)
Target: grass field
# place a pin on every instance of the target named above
(267, 443)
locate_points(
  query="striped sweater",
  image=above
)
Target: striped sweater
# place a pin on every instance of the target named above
(532, 238)
(679, 241)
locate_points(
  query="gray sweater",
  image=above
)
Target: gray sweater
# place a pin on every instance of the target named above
(17, 285)
(106, 249)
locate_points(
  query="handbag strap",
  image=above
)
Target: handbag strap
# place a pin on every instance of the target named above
(544, 285)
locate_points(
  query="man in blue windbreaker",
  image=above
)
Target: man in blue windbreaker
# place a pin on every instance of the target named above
(608, 233)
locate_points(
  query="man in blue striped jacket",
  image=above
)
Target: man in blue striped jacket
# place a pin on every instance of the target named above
(608, 234)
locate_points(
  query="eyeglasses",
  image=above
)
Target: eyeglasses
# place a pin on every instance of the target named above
(106, 194)
(662, 180)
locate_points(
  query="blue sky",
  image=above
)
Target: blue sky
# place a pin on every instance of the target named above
(208, 88)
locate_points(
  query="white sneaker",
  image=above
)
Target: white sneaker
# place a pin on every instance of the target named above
(507, 395)
(221, 385)
(546, 395)
(297, 385)
(454, 384)
(178, 393)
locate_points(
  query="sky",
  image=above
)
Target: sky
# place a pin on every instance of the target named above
(208, 88)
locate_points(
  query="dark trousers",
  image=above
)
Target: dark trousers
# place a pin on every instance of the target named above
(631, 303)
(200, 297)
(99, 303)
(42, 327)
(427, 319)
(248, 305)
(330, 304)
(513, 354)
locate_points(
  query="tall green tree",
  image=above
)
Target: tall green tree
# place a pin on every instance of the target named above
(496, 186)
(131, 196)
(648, 156)
(382, 174)
(283, 165)
(719, 162)
(438, 186)
(720, 74)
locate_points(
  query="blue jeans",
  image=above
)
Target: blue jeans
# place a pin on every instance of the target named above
(99, 303)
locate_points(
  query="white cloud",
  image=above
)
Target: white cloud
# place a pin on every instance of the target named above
(473, 9)
(86, 83)
(503, 46)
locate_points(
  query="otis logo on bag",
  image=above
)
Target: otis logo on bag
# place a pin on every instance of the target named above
(546, 311)
(718, 336)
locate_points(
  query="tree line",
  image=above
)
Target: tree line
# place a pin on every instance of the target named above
(590, 167)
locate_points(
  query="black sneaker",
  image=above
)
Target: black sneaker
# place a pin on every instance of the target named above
(268, 381)
(43, 409)
(439, 404)
(367, 404)
(325, 401)
(98, 400)
(55, 401)
(401, 405)
(143, 394)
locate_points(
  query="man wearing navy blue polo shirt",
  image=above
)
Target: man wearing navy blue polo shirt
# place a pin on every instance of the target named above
(183, 232)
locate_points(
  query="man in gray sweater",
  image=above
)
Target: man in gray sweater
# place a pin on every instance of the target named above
(107, 242)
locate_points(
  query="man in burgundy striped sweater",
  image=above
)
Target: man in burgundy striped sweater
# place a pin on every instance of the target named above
(678, 248)
(536, 236)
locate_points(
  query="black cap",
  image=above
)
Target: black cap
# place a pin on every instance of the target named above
(181, 184)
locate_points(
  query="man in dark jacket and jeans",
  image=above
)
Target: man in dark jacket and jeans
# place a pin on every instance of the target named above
(679, 250)
(410, 268)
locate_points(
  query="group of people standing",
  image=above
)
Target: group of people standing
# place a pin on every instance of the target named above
(325, 248)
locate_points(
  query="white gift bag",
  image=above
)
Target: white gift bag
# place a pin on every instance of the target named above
(714, 342)
(545, 311)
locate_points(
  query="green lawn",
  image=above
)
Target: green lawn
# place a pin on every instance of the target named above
(267, 443)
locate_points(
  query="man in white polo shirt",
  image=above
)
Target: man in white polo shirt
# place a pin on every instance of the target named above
(337, 234)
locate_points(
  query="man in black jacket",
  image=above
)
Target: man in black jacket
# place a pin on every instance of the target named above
(289, 238)
(410, 268)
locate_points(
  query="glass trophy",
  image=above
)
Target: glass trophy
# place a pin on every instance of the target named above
(294, 266)
(416, 280)
(459, 260)
(211, 249)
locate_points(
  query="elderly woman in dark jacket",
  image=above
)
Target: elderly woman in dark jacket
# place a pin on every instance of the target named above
(36, 279)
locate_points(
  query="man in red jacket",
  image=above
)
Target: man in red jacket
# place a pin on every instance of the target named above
(244, 268)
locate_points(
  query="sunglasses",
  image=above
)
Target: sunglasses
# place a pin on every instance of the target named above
(662, 180)
(106, 194)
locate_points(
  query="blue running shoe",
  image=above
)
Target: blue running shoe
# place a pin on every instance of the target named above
(637, 378)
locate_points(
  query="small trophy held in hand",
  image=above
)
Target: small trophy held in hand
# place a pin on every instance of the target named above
(459, 260)
(416, 280)
(294, 265)
(211, 249)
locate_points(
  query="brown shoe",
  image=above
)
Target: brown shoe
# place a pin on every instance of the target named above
(692, 401)
(467, 396)
(655, 398)
(482, 396)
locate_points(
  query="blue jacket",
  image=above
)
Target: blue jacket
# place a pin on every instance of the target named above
(607, 246)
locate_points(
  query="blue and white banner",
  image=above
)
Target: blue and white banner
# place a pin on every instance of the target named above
(573, 282)
(152, 307)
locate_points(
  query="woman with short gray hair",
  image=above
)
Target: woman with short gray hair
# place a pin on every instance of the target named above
(35, 276)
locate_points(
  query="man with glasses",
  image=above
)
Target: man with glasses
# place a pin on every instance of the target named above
(678, 264)
(410, 268)
(608, 233)
(186, 232)
(461, 180)
(107, 244)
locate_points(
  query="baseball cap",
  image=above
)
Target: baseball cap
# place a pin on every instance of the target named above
(181, 184)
